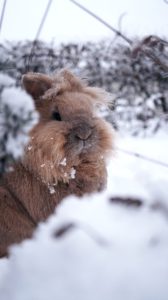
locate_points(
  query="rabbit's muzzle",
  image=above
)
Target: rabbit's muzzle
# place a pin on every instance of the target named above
(83, 132)
(82, 136)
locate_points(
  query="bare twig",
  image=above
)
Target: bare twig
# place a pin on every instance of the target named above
(127, 201)
(90, 231)
(39, 31)
(141, 156)
(120, 20)
(2, 13)
(147, 45)
(117, 32)
(144, 47)
(43, 19)
(157, 60)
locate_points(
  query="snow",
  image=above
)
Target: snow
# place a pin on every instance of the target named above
(111, 245)
(100, 247)
(63, 162)
(51, 189)
(72, 173)
(17, 118)
(6, 80)
(15, 97)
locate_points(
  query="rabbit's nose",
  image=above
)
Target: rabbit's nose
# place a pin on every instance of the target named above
(83, 132)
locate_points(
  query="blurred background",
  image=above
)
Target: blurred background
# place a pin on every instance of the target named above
(98, 41)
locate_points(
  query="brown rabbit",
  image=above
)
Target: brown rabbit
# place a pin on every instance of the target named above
(66, 154)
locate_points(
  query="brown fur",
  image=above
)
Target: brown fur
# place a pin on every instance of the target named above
(63, 157)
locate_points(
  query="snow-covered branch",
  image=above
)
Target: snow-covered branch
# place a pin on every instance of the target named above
(17, 117)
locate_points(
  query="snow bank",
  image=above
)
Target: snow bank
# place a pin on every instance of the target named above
(102, 246)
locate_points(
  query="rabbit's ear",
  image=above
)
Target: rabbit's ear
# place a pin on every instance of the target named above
(36, 84)
(66, 81)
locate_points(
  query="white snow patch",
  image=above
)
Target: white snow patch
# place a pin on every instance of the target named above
(6, 80)
(63, 162)
(92, 248)
(72, 173)
(18, 116)
(51, 189)
(18, 99)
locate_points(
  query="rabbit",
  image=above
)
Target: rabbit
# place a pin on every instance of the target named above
(66, 154)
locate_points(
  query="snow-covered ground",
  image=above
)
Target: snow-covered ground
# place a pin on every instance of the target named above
(112, 245)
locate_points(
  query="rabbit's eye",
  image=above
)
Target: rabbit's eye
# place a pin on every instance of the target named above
(56, 116)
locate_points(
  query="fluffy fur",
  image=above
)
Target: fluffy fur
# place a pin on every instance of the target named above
(66, 154)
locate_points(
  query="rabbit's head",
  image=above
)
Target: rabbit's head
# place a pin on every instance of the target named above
(70, 132)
